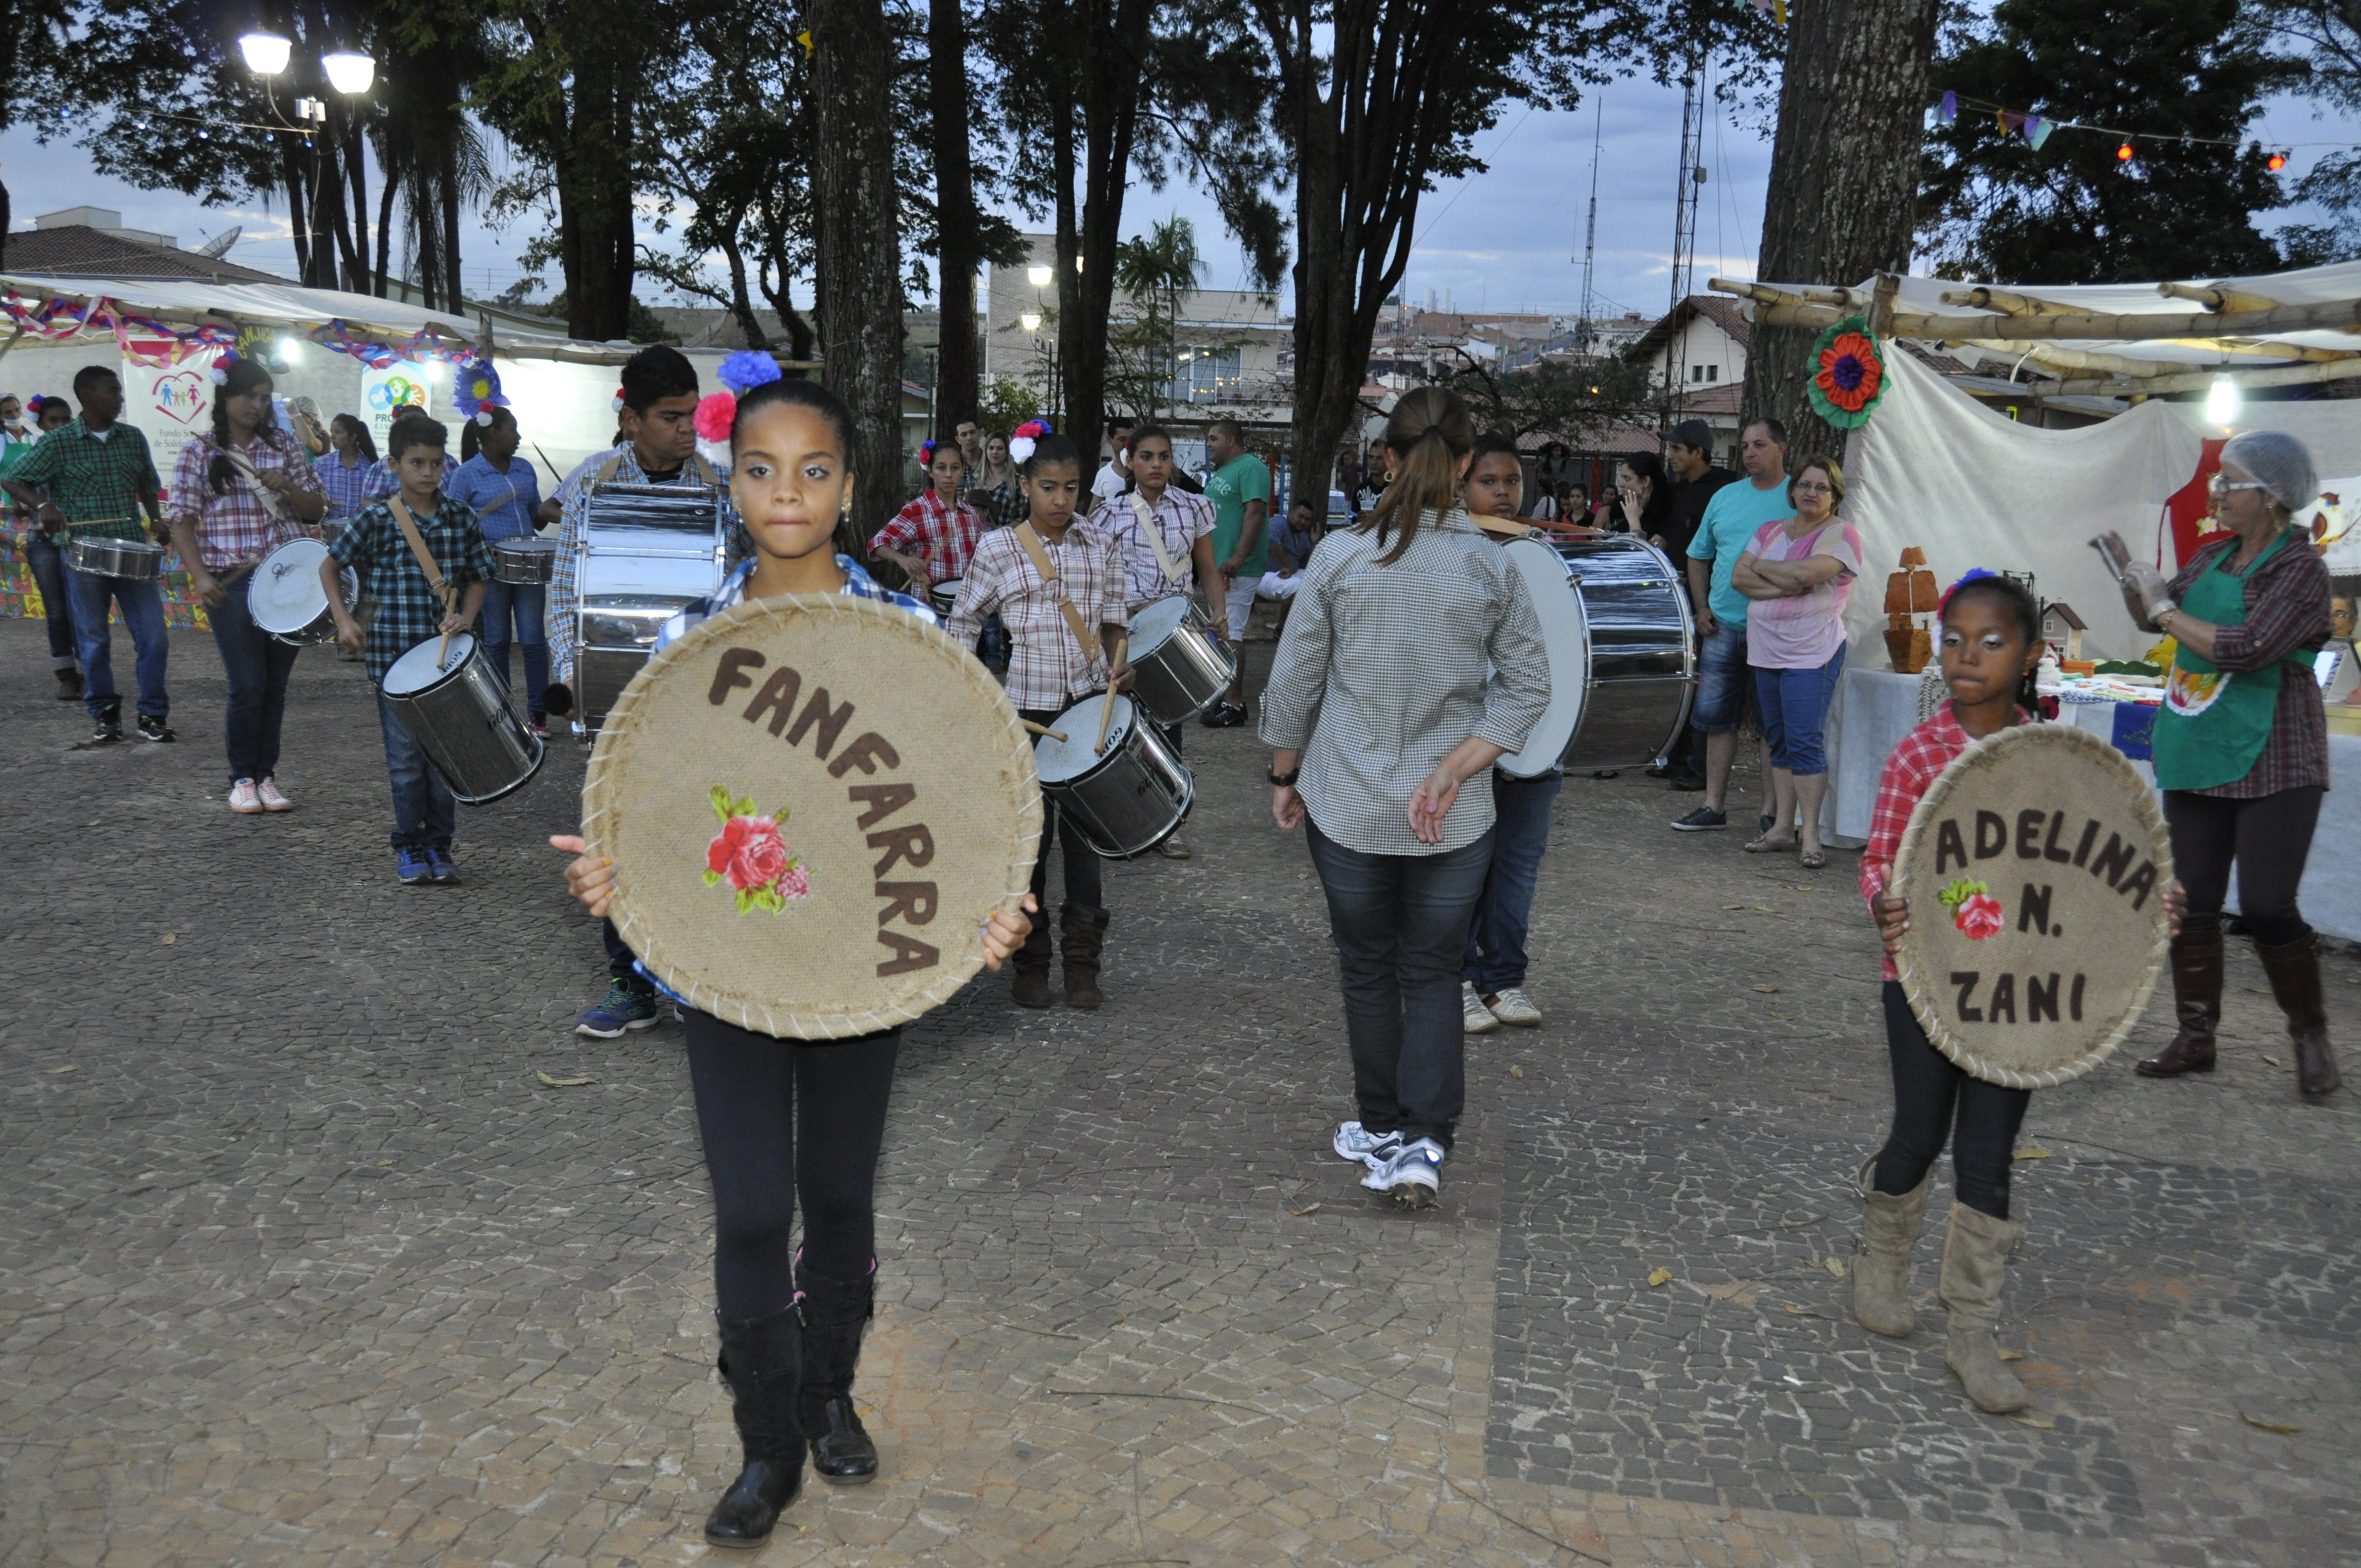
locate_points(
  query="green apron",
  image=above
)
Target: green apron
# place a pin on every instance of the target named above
(2214, 722)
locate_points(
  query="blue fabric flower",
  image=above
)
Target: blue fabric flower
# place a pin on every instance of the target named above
(747, 369)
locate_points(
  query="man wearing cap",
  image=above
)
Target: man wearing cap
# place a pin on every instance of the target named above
(1688, 459)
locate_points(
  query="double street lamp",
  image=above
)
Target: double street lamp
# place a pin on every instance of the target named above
(268, 55)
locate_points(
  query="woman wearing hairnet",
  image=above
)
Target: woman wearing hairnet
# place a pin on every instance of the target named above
(2242, 746)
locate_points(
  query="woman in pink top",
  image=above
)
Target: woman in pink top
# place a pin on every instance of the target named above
(1799, 572)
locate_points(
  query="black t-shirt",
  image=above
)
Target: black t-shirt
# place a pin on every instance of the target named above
(1687, 511)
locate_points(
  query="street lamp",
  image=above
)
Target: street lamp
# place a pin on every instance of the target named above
(347, 72)
(1038, 276)
(2222, 402)
(265, 53)
(1030, 321)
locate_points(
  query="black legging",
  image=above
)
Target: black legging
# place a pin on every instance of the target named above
(1083, 883)
(2268, 836)
(785, 1121)
(1927, 1086)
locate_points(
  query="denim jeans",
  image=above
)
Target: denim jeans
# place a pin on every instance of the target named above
(1723, 682)
(423, 812)
(258, 666)
(1796, 713)
(1401, 925)
(47, 560)
(621, 962)
(525, 603)
(1495, 935)
(142, 604)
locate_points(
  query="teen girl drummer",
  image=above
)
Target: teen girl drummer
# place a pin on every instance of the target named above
(788, 1121)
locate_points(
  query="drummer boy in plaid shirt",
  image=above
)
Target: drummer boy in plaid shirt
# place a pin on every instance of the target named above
(409, 611)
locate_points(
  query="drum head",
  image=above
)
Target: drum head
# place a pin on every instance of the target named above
(417, 670)
(285, 593)
(812, 804)
(1153, 623)
(1078, 753)
(2036, 867)
(1565, 633)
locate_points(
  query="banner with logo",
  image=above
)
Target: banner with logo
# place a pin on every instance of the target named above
(170, 401)
(386, 393)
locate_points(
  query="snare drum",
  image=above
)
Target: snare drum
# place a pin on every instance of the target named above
(134, 560)
(285, 598)
(944, 597)
(459, 715)
(1183, 669)
(527, 562)
(648, 552)
(1126, 800)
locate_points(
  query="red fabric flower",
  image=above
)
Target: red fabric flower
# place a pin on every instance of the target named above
(1979, 917)
(715, 416)
(749, 852)
(1849, 373)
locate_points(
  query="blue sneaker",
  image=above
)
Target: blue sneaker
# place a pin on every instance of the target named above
(411, 866)
(439, 864)
(1412, 1177)
(623, 1008)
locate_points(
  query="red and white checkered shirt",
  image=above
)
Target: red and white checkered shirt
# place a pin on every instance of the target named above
(1181, 519)
(943, 536)
(1047, 669)
(232, 527)
(1909, 772)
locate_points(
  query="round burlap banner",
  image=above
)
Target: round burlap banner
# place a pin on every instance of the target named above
(812, 804)
(2035, 868)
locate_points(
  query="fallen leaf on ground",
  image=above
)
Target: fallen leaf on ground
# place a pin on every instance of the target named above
(1310, 1209)
(1733, 906)
(2267, 1426)
(1781, 1017)
(55, 1071)
(2273, 1060)
(1764, 909)
(1803, 887)
(1515, 1072)
(1834, 1265)
(167, 938)
(1660, 1276)
(2012, 1355)
(2032, 1154)
(2041, 1423)
(1739, 1290)
(1768, 990)
(564, 1083)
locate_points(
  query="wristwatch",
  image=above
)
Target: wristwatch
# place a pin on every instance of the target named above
(1285, 781)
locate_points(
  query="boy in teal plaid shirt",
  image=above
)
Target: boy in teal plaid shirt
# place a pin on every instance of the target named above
(408, 612)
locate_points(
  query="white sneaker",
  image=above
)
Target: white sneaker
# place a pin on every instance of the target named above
(1513, 1006)
(1475, 1018)
(1358, 1144)
(272, 799)
(244, 800)
(1412, 1177)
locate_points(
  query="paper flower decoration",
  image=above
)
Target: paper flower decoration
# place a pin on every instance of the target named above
(219, 374)
(716, 417)
(475, 390)
(747, 369)
(1021, 440)
(1848, 374)
(618, 400)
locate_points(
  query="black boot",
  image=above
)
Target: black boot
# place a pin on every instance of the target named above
(2197, 999)
(1083, 933)
(2294, 968)
(835, 1312)
(761, 1362)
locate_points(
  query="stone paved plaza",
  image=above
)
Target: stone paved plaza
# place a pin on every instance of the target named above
(302, 1262)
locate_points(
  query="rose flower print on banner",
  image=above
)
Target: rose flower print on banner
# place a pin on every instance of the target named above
(751, 854)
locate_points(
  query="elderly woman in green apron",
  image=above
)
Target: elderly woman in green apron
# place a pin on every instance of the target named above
(2242, 746)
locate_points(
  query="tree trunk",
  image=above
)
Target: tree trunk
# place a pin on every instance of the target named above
(299, 227)
(956, 260)
(385, 235)
(594, 190)
(455, 299)
(1844, 179)
(859, 293)
(741, 302)
(357, 173)
(799, 327)
(1112, 51)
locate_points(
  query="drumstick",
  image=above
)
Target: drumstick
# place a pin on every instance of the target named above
(1042, 730)
(443, 654)
(1106, 710)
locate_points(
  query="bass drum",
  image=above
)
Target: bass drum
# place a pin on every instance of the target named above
(1622, 664)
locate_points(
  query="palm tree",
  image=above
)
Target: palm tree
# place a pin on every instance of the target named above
(1156, 270)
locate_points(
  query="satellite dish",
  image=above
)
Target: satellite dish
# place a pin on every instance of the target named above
(219, 245)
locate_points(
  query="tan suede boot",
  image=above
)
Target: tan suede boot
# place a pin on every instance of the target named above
(1976, 1260)
(1880, 1276)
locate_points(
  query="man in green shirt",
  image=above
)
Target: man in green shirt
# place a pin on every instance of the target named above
(100, 477)
(1240, 491)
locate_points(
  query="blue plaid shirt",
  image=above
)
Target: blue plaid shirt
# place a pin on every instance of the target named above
(504, 503)
(342, 484)
(408, 611)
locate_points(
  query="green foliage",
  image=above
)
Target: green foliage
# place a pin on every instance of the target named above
(1565, 399)
(1006, 403)
(1995, 208)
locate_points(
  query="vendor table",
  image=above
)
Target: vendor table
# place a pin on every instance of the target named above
(1875, 709)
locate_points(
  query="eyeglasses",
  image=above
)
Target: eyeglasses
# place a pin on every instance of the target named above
(1804, 489)
(2222, 486)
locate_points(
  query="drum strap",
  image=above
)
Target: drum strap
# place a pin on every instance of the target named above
(1146, 515)
(1031, 542)
(434, 578)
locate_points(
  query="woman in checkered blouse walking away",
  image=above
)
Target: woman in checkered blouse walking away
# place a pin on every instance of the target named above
(1413, 661)
(236, 498)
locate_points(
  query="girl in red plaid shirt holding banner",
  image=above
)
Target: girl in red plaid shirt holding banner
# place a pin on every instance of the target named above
(1990, 642)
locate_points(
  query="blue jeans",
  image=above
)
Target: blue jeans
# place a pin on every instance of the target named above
(1796, 715)
(142, 604)
(525, 603)
(423, 812)
(48, 561)
(1401, 922)
(1495, 935)
(1723, 682)
(258, 666)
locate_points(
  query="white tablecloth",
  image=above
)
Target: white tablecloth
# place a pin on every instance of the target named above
(1875, 709)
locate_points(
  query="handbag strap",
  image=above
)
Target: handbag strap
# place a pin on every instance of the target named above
(1031, 544)
(434, 578)
(1148, 525)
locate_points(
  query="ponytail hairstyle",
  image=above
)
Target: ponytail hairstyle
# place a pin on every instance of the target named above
(2017, 601)
(241, 376)
(355, 426)
(1428, 433)
(1049, 447)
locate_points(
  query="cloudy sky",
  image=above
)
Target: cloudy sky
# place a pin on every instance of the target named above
(1510, 237)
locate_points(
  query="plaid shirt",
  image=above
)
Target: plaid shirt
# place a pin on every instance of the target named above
(2287, 618)
(566, 574)
(1909, 771)
(858, 583)
(504, 503)
(379, 481)
(89, 478)
(940, 536)
(407, 610)
(232, 527)
(341, 485)
(1047, 669)
(1181, 519)
(1004, 505)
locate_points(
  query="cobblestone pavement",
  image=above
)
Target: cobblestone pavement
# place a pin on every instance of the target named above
(300, 1262)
